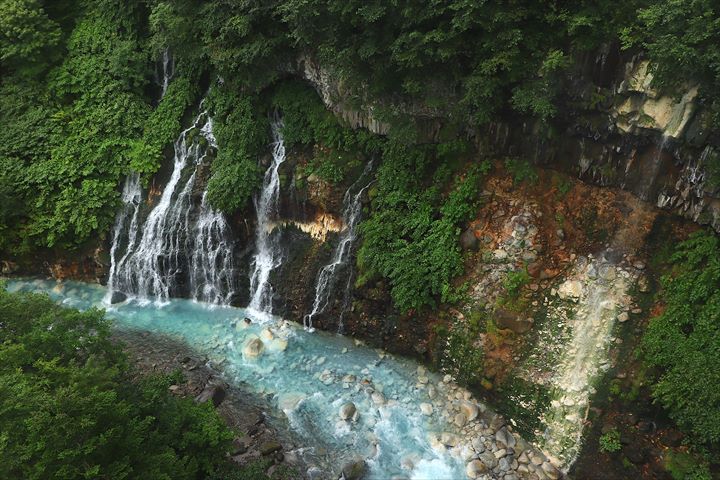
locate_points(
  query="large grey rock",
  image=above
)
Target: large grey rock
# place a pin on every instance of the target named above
(347, 410)
(354, 470)
(505, 438)
(270, 447)
(550, 471)
(488, 459)
(475, 468)
(212, 391)
(470, 410)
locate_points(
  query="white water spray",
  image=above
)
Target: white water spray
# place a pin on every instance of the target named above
(267, 256)
(168, 71)
(212, 265)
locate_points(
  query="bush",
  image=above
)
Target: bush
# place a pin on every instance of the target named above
(515, 281)
(610, 441)
(69, 408)
(412, 236)
(686, 466)
(521, 171)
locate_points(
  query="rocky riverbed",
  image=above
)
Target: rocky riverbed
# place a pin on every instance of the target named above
(260, 432)
(327, 404)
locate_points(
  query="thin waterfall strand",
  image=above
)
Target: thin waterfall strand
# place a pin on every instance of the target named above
(267, 256)
(327, 278)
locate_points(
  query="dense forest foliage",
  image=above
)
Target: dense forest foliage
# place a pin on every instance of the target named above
(71, 407)
(79, 96)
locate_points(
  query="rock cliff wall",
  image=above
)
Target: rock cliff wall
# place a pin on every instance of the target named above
(613, 129)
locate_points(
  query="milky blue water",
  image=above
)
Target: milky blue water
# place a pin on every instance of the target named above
(308, 376)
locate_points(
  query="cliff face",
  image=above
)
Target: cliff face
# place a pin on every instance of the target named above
(612, 130)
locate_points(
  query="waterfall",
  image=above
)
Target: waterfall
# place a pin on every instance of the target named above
(131, 197)
(211, 267)
(654, 170)
(168, 70)
(182, 246)
(327, 278)
(267, 255)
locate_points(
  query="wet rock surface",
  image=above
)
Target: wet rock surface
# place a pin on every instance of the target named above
(260, 433)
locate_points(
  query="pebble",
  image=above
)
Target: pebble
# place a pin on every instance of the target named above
(378, 398)
(623, 317)
(449, 439)
(460, 420)
(475, 468)
(426, 409)
(470, 410)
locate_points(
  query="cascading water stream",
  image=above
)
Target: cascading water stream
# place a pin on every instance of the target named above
(327, 278)
(654, 169)
(131, 198)
(168, 71)
(182, 244)
(267, 256)
(212, 266)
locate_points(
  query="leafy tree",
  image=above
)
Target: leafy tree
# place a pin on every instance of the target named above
(411, 238)
(70, 409)
(27, 35)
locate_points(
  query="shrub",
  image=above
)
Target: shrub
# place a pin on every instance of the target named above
(610, 441)
(521, 171)
(515, 281)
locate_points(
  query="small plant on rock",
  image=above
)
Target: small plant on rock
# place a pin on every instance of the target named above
(610, 441)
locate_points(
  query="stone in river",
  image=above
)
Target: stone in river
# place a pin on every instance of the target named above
(347, 410)
(117, 297)
(253, 348)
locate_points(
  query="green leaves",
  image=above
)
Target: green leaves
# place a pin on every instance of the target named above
(67, 398)
(242, 134)
(684, 341)
(411, 238)
(27, 36)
